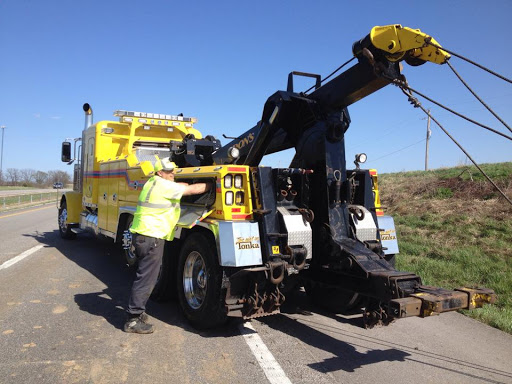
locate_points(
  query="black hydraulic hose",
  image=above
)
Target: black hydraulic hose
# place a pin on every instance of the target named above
(469, 61)
(417, 104)
(478, 98)
(403, 85)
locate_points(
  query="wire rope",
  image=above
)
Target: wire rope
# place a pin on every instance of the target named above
(332, 73)
(429, 41)
(401, 83)
(417, 104)
(477, 97)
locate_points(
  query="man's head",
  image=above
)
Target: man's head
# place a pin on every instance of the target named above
(165, 168)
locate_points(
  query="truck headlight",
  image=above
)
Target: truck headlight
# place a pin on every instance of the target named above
(233, 153)
(229, 198)
(228, 181)
(361, 158)
(238, 181)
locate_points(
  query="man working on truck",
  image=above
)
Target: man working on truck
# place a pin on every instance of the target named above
(154, 222)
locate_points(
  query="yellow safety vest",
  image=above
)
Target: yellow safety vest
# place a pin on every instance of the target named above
(158, 209)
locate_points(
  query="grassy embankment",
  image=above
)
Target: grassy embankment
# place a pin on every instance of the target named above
(27, 198)
(6, 188)
(454, 230)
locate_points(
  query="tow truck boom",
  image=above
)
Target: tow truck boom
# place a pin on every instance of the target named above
(315, 124)
(379, 55)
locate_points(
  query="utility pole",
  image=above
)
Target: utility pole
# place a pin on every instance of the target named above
(429, 132)
(2, 154)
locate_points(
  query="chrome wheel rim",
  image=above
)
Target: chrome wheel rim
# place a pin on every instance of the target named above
(128, 245)
(195, 280)
(62, 220)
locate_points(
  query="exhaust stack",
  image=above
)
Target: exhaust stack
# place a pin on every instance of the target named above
(88, 115)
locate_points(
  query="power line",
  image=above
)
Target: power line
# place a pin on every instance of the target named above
(398, 150)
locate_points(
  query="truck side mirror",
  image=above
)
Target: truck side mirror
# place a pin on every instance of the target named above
(66, 152)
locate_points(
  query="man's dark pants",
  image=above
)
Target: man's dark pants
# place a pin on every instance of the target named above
(149, 252)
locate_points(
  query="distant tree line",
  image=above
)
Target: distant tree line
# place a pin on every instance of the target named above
(32, 178)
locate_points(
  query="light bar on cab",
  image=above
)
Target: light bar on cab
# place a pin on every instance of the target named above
(157, 116)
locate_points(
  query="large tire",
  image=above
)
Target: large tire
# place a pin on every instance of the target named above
(130, 256)
(64, 228)
(199, 282)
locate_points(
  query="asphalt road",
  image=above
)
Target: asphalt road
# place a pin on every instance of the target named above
(61, 321)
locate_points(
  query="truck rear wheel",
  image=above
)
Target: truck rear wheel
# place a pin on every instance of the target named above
(199, 282)
(64, 229)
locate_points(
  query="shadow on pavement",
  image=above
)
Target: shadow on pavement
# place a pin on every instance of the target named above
(296, 320)
(105, 261)
(346, 357)
(101, 258)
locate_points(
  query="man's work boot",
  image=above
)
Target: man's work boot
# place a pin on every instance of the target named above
(138, 324)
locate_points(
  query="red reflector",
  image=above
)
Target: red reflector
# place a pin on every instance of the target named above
(373, 173)
(241, 217)
(236, 209)
(380, 213)
(236, 169)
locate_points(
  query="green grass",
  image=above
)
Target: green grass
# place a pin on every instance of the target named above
(6, 187)
(7, 202)
(453, 232)
(495, 171)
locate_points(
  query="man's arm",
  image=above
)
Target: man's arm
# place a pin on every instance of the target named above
(196, 189)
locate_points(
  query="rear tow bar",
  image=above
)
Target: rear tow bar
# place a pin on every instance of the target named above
(429, 301)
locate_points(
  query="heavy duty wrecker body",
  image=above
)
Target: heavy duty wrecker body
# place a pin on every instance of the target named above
(262, 231)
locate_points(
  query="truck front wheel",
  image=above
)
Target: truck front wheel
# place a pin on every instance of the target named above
(64, 229)
(199, 283)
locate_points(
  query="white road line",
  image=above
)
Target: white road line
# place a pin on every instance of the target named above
(270, 366)
(21, 256)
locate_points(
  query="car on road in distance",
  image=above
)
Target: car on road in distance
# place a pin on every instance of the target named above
(57, 185)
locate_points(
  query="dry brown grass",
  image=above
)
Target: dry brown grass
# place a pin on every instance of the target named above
(476, 199)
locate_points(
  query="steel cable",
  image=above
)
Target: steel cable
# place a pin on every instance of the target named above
(417, 104)
(469, 61)
(332, 73)
(478, 98)
(401, 83)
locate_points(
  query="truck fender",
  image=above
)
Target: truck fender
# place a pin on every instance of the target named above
(74, 206)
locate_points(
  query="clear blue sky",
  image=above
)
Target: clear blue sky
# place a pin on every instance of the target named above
(220, 60)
